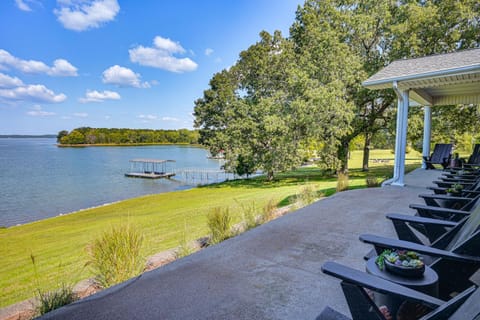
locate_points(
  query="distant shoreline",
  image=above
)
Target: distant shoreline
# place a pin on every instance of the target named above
(23, 136)
(127, 145)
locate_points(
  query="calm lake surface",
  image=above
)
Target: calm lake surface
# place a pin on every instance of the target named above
(39, 180)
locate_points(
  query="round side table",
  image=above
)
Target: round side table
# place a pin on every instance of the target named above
(428, 284)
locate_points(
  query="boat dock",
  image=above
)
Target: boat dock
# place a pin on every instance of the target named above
(150, 169)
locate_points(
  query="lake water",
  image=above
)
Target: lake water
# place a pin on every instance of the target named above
(39, 180)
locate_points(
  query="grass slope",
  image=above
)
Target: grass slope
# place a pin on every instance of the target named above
(58, 244)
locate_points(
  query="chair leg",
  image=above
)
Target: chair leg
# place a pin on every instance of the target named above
(360, 304)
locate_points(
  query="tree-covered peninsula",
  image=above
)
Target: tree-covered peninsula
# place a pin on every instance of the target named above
(112, 136)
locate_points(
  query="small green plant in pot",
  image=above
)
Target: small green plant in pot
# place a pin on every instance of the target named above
(402, 262)
(455, 189)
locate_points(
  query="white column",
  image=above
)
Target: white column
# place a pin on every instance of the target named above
(401, 138)
(427, 133)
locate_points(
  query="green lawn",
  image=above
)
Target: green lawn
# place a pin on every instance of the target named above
(58, 244)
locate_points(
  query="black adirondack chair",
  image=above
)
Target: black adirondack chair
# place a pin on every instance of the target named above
(470, 190)
(362, 307)
(442, 153)
(438, 212)
(454, 266)
(448, 201)
(441, 234)
(473, 161)
(448, 183)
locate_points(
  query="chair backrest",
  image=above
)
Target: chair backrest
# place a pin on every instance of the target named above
(441, 152)
(470, 226)
(470, 309)
(475, 156)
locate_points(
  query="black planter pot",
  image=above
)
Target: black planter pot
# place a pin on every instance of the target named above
(405, 271)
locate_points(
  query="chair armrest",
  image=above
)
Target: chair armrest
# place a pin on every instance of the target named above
(459, 180)
(471, 165)
(388, 243)
(444, 197)
(421, 220)
(466, 177)
(448, 184)
(440, 190)
(439, 210)
(380, 285)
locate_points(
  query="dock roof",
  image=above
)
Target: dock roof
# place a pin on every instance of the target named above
(151, 160)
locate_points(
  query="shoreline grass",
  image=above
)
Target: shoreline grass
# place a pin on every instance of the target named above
(59, 243)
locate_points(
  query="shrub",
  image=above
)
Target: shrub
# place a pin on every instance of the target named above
(219, 222)
(307, 195)
(342, 182)
(51, 300)
(115, 256)
(372, 182)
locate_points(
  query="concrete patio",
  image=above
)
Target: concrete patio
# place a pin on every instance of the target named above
(270, 272)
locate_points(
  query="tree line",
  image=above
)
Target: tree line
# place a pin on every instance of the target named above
(290, 98)
(92, 136)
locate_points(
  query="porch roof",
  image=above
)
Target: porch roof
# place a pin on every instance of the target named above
(442, 79)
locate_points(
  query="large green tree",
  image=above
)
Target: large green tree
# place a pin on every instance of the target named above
(265, 110)
(247, 112)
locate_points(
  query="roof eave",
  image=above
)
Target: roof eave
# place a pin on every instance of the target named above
(387, 83)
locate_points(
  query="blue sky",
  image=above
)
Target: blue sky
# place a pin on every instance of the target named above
(120, 63)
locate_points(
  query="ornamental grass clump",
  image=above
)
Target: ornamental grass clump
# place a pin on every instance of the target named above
(185, 248)
(219, 223)
(268, 212)
(372, 182)
(51, 300)
(250, 218)
(115, 256)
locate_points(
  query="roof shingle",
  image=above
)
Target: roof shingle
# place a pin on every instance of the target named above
(409, 68)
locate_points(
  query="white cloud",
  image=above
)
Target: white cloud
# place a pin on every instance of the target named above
(95, 96)
(161, 56)
(80, 114)
(170, 119)
(38, 112)
(9, 82)
(208, 51)
(31, 92)
(61, 67)
(22, 5)
(147, 117)
(81, 15)
(123, 77)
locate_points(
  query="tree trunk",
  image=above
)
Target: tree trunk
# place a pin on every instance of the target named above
(343, 156)
(366, 151)
(270, 175)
